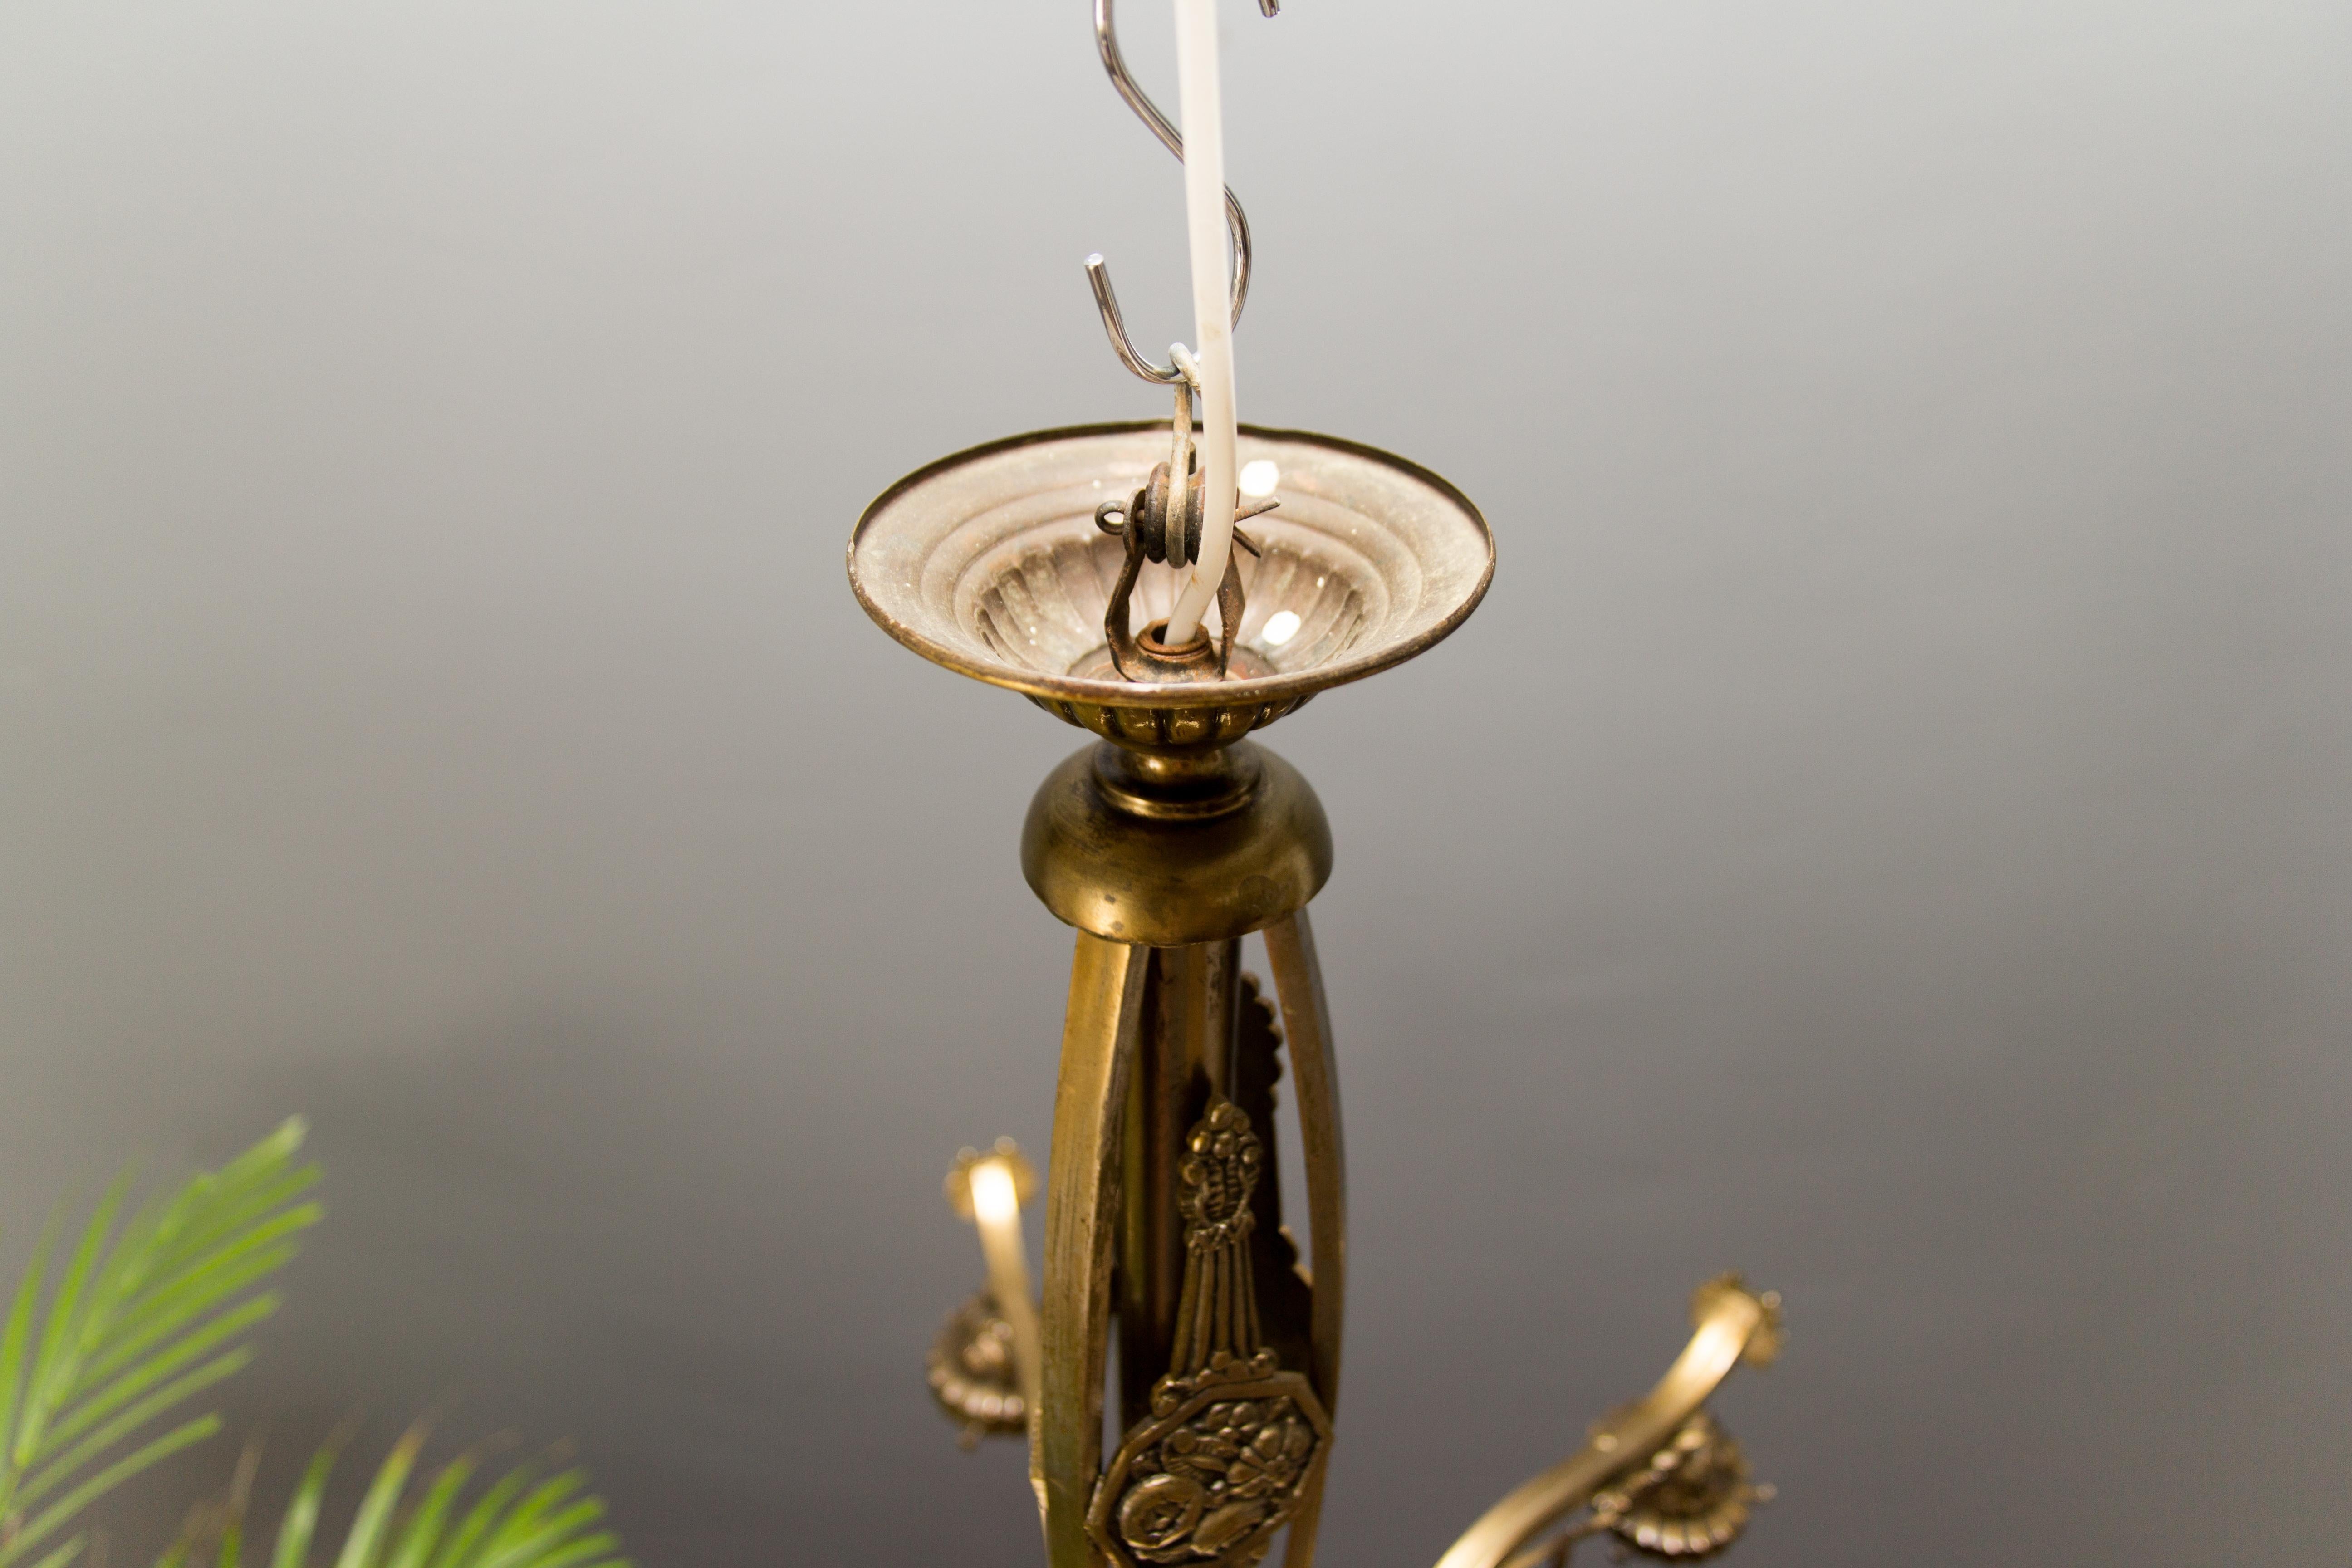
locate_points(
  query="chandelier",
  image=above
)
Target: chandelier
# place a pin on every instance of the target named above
(1083, 568)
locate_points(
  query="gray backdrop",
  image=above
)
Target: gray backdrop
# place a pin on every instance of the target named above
(1887, 828)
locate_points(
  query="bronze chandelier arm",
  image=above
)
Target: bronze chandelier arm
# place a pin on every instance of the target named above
(1081, 1200)
(1732, 1324)
(1314, 1076)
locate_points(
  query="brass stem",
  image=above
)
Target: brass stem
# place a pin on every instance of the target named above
(1314, 1072)
(1098, 1034)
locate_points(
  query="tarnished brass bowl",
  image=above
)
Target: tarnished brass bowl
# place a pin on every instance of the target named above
(990, 562)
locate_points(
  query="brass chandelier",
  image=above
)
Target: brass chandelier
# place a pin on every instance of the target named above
(1028, 564)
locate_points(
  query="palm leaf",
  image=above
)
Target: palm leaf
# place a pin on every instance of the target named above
(141, 1320)
(301, 1520)
(423, 1530)
(513, 1523)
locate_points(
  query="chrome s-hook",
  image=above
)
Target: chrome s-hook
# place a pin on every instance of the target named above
(1236, 223)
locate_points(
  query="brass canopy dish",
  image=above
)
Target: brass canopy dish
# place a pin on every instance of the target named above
(990, 562)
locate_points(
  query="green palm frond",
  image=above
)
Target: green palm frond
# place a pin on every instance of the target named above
(517, 1522)
(140, 1322)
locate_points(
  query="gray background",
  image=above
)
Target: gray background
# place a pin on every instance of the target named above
(1887, 827)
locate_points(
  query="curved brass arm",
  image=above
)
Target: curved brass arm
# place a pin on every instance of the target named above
(1732, 1324)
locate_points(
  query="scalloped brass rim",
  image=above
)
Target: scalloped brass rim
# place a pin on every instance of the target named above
(1120, 694)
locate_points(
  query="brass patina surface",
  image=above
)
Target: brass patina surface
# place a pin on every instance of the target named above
(1168, 858)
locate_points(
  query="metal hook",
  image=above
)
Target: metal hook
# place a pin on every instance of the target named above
(1236, 222)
